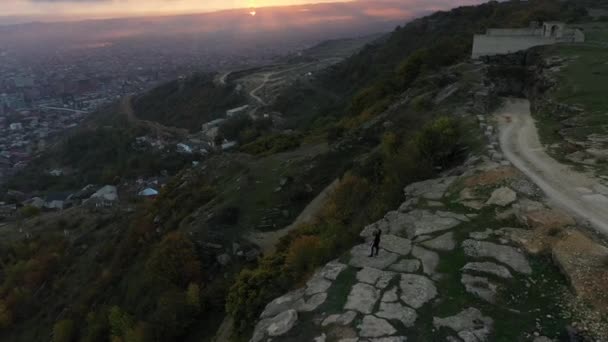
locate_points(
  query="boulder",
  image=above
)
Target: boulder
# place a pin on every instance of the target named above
(502, 197)
(375, 327)
(416, 290)
(362, 298)
(505, 254)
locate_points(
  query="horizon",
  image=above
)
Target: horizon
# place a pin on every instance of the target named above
(49, 11)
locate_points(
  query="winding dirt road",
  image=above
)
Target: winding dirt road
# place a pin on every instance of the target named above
(575, 192)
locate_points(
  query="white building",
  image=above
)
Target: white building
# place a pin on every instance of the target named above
(509, 40)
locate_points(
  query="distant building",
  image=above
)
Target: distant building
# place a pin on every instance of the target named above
(509, 40)
(212, 124)
(148, 192)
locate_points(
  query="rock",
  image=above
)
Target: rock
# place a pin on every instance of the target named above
(283, 303)
(422, 222)
(369, 275)
(435, 204)
(429, 259)
(316, 285)
(548, 218)
(447, 214)
(505, 254)
(480, 286)
(488, 267)
(396, 311)
(416, 290)
(390, 296)
(473, 204)
(396, 244)
(341, 319)
(332, 270)
(481, 235)
(321, 338)
(433, 189)
(362, 298)
(542, 339)
(584, 263)
(406, 266)
(532, 241)
(282, 323)
(360, 258)
(385, 279)
(389, 339)
(502, 197)
(470, 325)
(375, 327)
(312, 303)
(223, 259)
(444, 242)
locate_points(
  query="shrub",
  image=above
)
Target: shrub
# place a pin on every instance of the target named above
(273, 144)
(63, 331)
(304, 254)
(29, 211)
(438, 142)
(348, 198)
(6, 316)
(175, 260)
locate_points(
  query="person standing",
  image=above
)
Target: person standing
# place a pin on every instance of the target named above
(376, 243)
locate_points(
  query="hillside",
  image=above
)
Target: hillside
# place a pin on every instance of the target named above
(406, 112)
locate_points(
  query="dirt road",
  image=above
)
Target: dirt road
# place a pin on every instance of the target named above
(575, 192)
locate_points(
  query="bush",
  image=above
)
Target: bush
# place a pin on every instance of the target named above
(304, 254)
(63, 331)
(175, 260)
(273, 144)
(438, 142)
(29, 211)
(348, 198)
(6, 316)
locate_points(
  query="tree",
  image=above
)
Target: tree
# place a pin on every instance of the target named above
(175, 260)
(63, 331)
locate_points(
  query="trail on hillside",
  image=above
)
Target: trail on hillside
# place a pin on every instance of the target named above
(268, 240)
(576, 192)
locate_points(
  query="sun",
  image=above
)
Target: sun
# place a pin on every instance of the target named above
(253, 13)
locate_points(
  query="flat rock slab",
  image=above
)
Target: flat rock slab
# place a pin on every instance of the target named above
(362, 298)
(488, 267)
(316, 285)
(505, 254)
(423, 222)
(481, 235)
(283, 303)
(390, 296)
(429, 259)
(444, 242)
(312, 303)
(332, 270)
(432, 189)
(470, 325)
(385, 279)
(359, 257)
(406, 266)
(396, 244)
(416, 290)
(282, 323)
(372, 326)
(369, 275)
(399, 312)
(389, 339)
(340, 319)
(480, 287)
(502, 197)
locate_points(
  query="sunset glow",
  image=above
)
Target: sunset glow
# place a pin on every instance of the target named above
(252, 13)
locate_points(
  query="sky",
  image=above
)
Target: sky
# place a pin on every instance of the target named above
(87, 9)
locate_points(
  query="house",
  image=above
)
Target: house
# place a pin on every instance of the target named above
(56, 201)
(148, 193)
(104, 197)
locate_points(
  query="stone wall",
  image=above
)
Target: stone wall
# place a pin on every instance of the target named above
(484, 45)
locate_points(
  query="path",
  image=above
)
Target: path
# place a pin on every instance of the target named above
(573, 191)
(268, 240)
